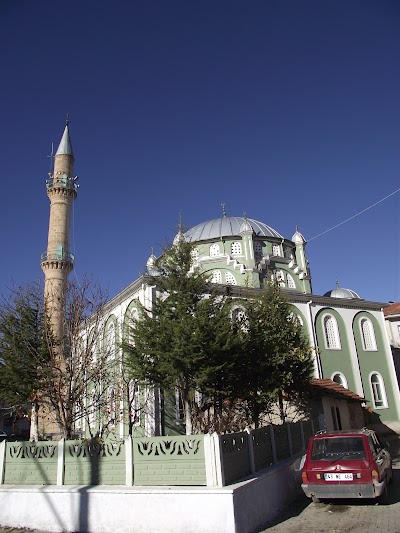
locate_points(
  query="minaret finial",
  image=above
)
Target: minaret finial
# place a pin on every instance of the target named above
(223, 210)
(337, 283)
(245, 215)
(67, 119)
(297, 227)
(51, 156)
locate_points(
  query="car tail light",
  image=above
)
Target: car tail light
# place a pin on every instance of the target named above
(304, 476)
(375, 475)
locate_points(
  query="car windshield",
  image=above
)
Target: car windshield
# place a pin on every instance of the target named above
(334, 448)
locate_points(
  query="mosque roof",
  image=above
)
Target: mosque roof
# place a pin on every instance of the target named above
(228, 227)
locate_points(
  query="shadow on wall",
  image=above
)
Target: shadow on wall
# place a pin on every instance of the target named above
(94, 458)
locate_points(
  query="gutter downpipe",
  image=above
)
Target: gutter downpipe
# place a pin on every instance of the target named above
(314, 340)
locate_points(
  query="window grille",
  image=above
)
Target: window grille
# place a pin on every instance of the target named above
(331, 333)
(216, 277)
(214, 250)
(276, 250)
(230, 279)
(368, 336)
(290, 282)
(236, 248)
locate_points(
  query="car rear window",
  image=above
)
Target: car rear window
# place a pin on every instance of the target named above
(334, 448)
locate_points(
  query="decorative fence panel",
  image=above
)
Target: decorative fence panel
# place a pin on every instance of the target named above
(28, 463)
(235, 456)
(281, 441)
(169, 460)
(262, 448)
(94, 463)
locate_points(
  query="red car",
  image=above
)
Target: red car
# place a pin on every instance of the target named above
(346, 464)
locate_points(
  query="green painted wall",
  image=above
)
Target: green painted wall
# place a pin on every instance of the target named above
(335, 360)
(374, 361)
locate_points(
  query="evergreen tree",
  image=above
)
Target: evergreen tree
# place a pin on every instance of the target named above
(24, 351)
(276, 355)
(186, 336)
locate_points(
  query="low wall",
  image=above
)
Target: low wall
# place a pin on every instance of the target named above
(193, 460)
(240, 508)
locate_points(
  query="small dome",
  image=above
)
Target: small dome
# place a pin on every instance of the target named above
(298, 238)
(151, 261)
(228, 227)
(179, 237)
(340, 292)
(246, 227)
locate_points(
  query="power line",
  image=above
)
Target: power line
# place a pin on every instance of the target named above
(354, 216)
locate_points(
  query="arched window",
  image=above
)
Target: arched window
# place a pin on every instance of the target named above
(230, 279)
(111, 404)
(257, 248)
(133, 316)
(236, 248)
(367, 334)
(332, 340)
(276, 249)
(195, 254)
(290, 282)
(216, 277)
(214, 250)
(111, 337)
(378, 390)
(338, 377)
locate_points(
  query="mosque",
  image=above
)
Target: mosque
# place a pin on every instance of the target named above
(346, 332)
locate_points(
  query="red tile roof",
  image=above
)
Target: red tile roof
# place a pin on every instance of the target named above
(393, 309)
(328, 386)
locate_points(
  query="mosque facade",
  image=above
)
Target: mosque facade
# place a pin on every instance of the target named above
(346, 332)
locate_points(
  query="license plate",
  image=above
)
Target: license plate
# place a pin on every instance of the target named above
(338, 477)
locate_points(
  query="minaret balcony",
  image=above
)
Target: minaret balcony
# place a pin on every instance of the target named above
(57, 257)
(62, 182)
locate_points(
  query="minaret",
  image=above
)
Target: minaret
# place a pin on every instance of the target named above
(57, 262)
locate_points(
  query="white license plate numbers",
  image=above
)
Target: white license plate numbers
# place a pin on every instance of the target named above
(338, 477)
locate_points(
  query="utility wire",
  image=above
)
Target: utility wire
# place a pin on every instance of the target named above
(354, 216)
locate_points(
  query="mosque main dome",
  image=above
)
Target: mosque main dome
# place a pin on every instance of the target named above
(341, 292)
(228, 227)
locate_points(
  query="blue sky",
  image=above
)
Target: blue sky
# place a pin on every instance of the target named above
(286, 110)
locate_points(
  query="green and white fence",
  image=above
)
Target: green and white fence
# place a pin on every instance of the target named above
(192, 460)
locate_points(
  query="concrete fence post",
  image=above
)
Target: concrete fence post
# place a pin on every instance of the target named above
(2, 461)
(213, 461)
(129, 461)
(251, 450)
(273, 445)
(60, 461)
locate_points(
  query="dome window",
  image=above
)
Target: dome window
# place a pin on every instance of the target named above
(257, 248)
(276, 250)
(280, 277)
(367, 334)
(216, 277)
(214, 250)
(332, 340)
(236, 248)
(230, 279)
(290, 282)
